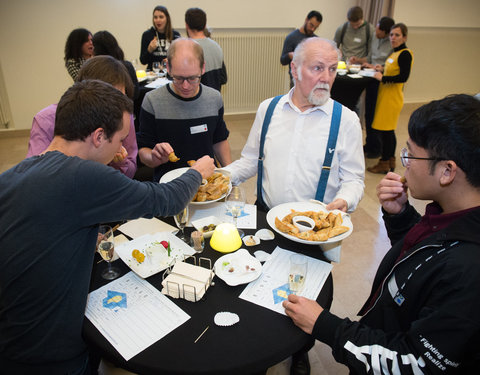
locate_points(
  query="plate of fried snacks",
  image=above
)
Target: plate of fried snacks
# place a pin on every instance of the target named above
(330, 226)
(238, 268)
(214, 188)
(152, 253)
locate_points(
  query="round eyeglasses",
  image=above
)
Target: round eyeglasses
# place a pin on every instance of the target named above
(405, 158)
(193, 80)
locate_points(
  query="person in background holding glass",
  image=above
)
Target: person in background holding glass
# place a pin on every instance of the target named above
(107, 69)
(78, 49)
(104, 43)
(51, 207)
(390, 97)
(156, 40)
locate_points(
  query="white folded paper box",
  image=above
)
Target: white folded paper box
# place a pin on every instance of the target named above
(187, 281)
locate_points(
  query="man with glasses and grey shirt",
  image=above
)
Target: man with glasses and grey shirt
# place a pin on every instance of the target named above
(184, 116)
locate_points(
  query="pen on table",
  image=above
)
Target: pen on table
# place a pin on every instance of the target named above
(198, 338)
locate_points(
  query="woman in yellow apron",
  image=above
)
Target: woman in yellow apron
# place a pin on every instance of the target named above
(390, 96)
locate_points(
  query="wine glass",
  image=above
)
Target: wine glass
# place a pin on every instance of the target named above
(235, 203)
(181, 219)
(156, 66)
(164, 66)
(106, 247)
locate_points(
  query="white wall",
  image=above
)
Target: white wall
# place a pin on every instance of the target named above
(33, 34)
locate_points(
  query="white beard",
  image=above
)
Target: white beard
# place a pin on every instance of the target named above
(319, 97)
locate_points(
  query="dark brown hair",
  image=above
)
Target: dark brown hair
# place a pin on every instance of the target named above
(87, 106)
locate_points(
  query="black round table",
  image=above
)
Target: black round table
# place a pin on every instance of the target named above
(347, 90)
(260, 340)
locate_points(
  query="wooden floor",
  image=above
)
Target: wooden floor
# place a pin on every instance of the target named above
(361, 252)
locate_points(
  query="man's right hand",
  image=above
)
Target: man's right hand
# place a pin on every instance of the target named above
(160, 153)
(392, 193)
(205, 166)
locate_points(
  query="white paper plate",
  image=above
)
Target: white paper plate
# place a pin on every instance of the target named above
(173, 174)
(205, 221)
(232, 268)
(284, 209)
(156, 258)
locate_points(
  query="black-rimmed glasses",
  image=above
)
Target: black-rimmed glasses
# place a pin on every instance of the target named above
(404, 157)
(193, 80)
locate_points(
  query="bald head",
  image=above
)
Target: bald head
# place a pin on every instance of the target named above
(184, 49)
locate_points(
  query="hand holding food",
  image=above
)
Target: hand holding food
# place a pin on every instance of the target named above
(392, 193)
(205, 166)
(172, 157)
(160, 154)
(120, 156)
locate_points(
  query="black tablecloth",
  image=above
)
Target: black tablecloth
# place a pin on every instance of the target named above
(347, 90)
(261, 339)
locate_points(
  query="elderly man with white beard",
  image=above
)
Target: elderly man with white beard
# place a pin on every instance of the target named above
(304, 145)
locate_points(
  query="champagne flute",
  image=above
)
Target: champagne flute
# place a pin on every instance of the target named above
(298, 272)
(181, 219)
(235, 203)
(106, 248)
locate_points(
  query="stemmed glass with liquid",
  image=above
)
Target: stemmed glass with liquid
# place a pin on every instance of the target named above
(106, 248)
(181, 219)
(235, 203)
(298, 272)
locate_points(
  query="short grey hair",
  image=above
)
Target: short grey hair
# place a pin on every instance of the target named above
(299, 53)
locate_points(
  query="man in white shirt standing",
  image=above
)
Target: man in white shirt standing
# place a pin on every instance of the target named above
(297, 143)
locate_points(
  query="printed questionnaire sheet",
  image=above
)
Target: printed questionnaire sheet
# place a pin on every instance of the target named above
(271, 288)
(117, 308)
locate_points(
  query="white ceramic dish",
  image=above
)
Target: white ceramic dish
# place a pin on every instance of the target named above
(342, 72)
(299, 221)
(265, 234)
(238, 268)
(173, 174)
(284, 209)
(250, 240)
(206, 221)
(156, 257)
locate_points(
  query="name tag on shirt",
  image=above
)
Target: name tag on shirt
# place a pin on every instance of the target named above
(357, 40)
(198, 129)
(390, 60)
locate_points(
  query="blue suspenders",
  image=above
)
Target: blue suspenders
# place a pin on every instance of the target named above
(329, 152)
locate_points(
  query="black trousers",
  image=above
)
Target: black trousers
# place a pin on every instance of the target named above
(389, 143)
(372, 141)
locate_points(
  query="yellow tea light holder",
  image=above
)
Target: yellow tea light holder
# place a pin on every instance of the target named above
(341, 65)
(225, 238)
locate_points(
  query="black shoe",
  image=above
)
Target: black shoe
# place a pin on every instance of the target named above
(300, 364)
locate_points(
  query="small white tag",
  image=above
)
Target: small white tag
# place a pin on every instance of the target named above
(198, 129)
(357, 40)
(390, 60)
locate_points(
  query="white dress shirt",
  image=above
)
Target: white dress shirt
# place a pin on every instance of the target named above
(294, 151)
